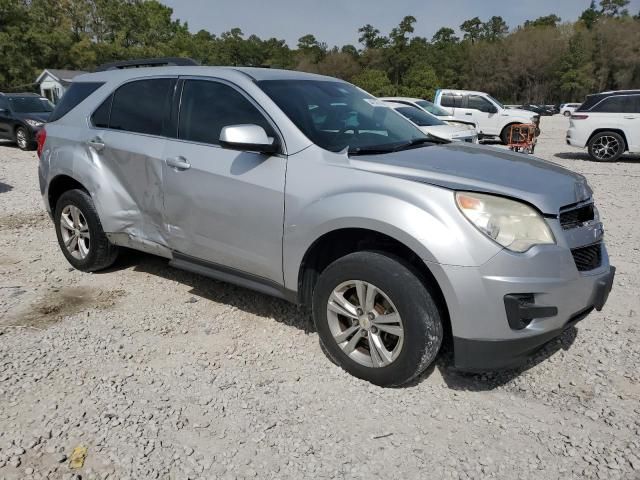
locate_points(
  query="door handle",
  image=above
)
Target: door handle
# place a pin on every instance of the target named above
(630, 117)
(179, 163)
(468, 113)
(97, 143)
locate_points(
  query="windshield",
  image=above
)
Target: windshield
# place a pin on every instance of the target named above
(495, 101)
(30, 105)
(337, 115)
(432, 109)
(420, 117)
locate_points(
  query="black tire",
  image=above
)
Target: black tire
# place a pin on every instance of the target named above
(614, 138)
(102, 253)
(421, 318)
(23, 139)
(567, 114)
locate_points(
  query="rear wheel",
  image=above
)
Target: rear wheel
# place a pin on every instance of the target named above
(376, 319)
(606, 147)
(567, 114)
(80, 234)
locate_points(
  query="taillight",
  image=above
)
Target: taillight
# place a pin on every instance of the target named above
(41, 137)
(579, 117)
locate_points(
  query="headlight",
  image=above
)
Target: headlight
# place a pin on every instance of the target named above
(34, 123)
(512, 224)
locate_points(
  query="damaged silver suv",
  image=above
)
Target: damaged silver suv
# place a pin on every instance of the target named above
(307, 188)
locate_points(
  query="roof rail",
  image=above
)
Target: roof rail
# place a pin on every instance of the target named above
(148, 62)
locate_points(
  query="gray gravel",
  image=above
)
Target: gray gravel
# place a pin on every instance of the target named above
(164, 374)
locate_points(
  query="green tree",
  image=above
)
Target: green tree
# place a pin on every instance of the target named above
(472, 29)
(495, 28)
(546, 21)
(370, 37)
(590, 16)
(614, 8)
(376, 82)
(445, 36)
(420, 81)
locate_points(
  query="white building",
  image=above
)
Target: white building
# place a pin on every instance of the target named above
(53, 83)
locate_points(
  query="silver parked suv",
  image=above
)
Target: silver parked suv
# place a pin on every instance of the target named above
(307, 188)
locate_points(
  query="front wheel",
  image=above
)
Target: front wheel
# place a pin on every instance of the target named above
(606, 147)
(376, 319)
(80, 234)
(22, 139)
(567, 114)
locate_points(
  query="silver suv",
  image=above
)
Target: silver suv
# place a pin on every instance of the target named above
(307, 188)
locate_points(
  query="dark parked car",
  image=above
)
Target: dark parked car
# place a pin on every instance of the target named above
(539, 109)
(22, 115)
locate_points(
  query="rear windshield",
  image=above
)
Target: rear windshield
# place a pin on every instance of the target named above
(420, 117)
(73, 97)
(432, 109)
(30, 105)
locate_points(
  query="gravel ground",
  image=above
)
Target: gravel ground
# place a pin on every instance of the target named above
(165, 374)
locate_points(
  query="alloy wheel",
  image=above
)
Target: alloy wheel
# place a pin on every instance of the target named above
(605, 147)
(21, 138)
(365, 323)
(75, 232)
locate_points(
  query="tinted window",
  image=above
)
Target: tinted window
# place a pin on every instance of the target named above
(100, 117)
(30, 105)
(636, 107)
(143, 106)
(432, 109)
(451, 101)
(4, 104)
(478, 103)
(420, 117)
(207, 107)
(72, 98)
(336, 115)
(618, 104)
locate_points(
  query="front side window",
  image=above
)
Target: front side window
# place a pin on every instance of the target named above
(420, 117)
(207, 107)
(142, 106)
(337, 116)
(617, 104)
(30, 105)
(479, 103)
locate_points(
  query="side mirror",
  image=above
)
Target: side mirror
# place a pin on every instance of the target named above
(492, 109)
(250, 138)
(4, 111)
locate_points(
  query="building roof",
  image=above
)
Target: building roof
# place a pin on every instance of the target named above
(64, 76)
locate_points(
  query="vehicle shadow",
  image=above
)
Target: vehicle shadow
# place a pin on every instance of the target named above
(249, 301)
(486, 381)
(5, 187)
(221, 292)
(627, 158)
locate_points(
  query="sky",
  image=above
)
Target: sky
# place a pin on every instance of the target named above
(336, 22)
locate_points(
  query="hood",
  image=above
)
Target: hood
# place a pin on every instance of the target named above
(464, 166)
(40, 116)
(519, 112)
(448, 132)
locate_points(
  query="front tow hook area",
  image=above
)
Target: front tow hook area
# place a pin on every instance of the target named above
(521, 309)
(603, 289)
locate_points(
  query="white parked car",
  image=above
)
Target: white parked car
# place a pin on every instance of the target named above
(492, 119)
(608, 124)
(567, 109)
(432, 125)
(431, 108)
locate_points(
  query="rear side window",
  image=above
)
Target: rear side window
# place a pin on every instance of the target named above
(618, 104)
(451, 101)
(207, 107)
(73, 97)
(142, 106)
(100, 117)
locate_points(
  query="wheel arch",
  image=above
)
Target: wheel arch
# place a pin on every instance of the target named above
(343, 241)
(60, 184)
(615, 130)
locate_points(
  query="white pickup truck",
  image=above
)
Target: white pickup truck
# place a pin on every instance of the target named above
(490, 116)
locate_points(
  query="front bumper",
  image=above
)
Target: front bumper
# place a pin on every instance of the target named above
(479, 355)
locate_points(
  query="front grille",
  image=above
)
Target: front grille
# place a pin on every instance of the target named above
(577, 216)
(587, 258)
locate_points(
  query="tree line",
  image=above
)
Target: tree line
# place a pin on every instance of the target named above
(543, 60)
